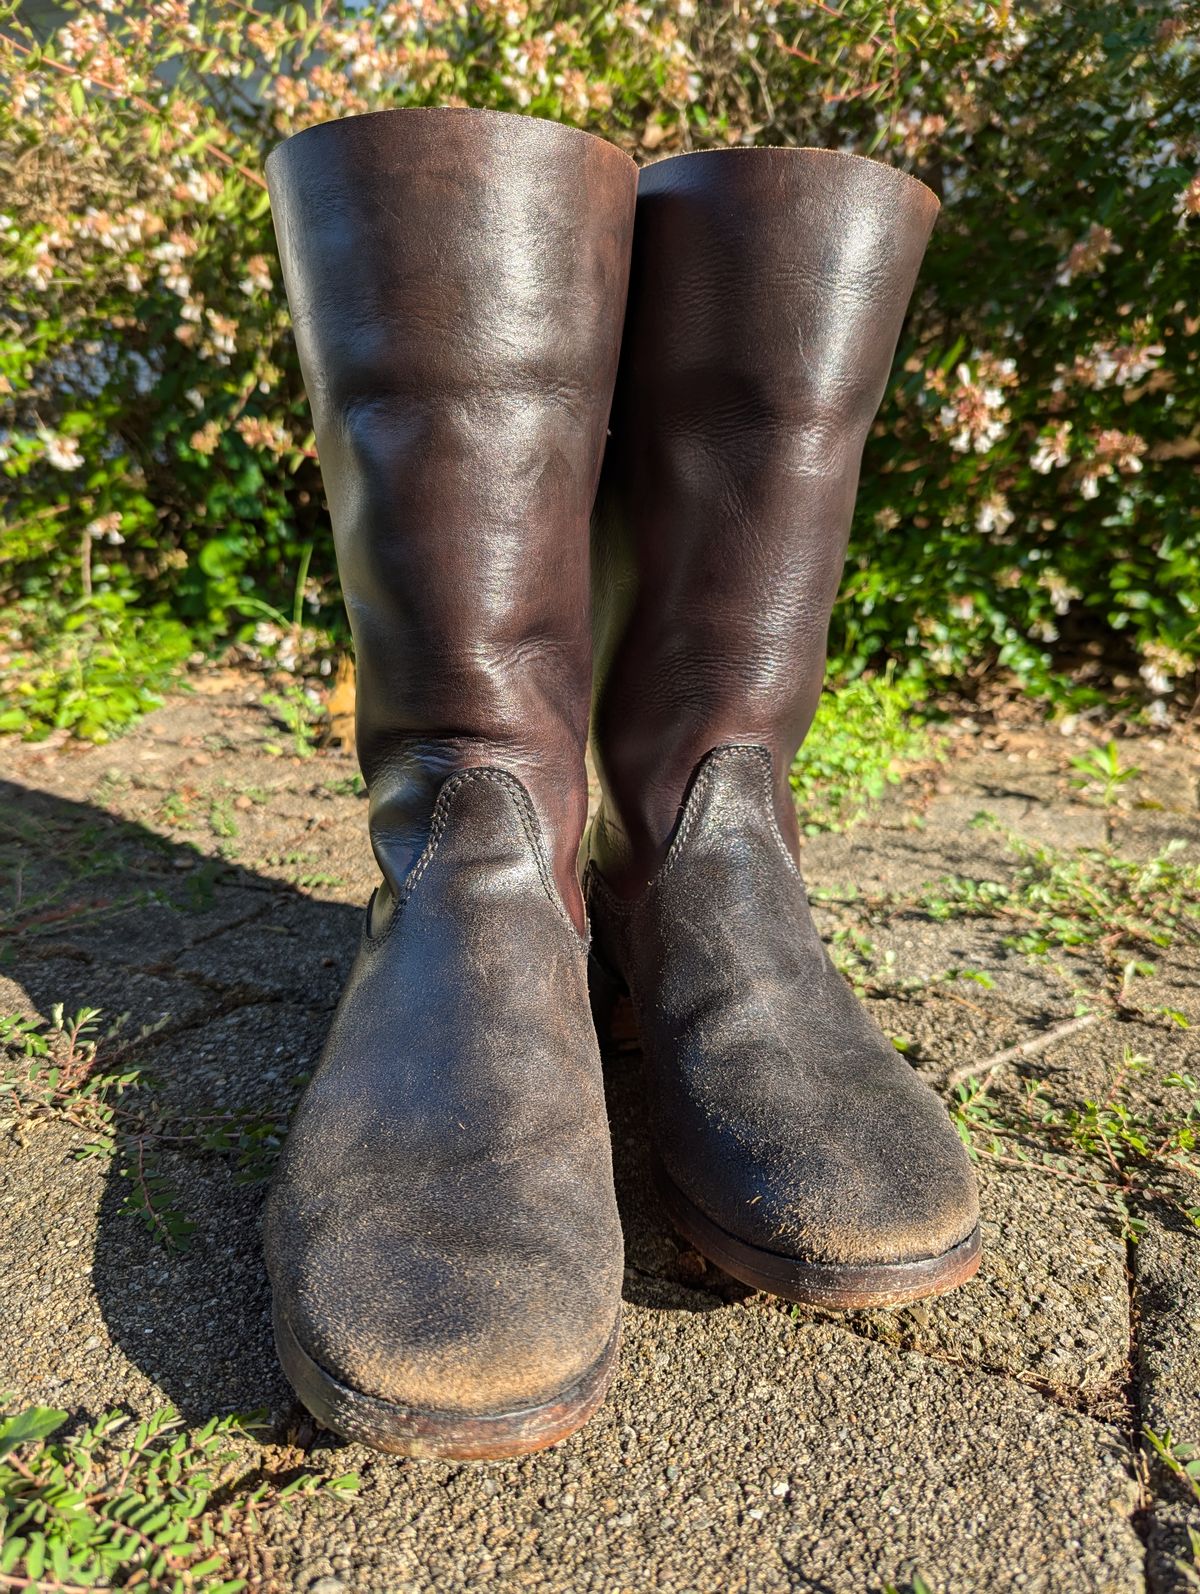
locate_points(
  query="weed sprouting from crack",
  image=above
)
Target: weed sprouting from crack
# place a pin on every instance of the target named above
(1099, 773)
(1085, 900)
(917, 1585)
(298, 712)
(55, 1072)
(1135, 1156)
(876, 974)
(1181, 1459)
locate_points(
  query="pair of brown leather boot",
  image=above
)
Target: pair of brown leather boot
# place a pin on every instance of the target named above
(442, 1236)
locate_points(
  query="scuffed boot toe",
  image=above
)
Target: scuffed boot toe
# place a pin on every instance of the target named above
(422, 1332)
(873, 1211)
(474, 1366)
(442, 1234)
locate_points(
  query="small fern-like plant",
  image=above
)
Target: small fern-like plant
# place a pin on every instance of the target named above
(133, 1504)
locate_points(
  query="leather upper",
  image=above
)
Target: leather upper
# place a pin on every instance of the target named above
(766, 298)
(442, 1226)
(442, 1234)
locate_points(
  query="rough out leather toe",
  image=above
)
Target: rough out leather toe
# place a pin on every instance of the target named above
(795, 1147)
(442, 1234)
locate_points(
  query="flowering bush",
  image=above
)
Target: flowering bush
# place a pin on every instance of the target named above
(1031, 495)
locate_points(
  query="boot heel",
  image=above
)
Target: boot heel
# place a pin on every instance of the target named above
(605, 990)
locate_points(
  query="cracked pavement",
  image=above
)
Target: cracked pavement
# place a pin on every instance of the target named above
(206, 893)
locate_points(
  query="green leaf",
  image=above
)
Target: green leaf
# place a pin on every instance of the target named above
(29, 1426)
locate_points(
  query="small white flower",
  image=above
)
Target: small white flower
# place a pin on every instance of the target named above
(62, 452)
(1062, 593)
(1052, 449)
(994, 514)
(1156, 678)
(1158, 714)
(175, 278)
(1089, 487)
(107, 527)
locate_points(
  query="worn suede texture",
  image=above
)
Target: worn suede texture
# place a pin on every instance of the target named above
(776, 1104)
(443, 1226)
(442, 1233)
(766, 298)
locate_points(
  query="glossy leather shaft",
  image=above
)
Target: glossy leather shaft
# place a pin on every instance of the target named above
(766, 299)
(457, 281)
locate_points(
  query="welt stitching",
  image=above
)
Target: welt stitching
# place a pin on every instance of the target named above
(769, 793)
(593, 880)
(437, 827)
(534, 836)
(624, 909)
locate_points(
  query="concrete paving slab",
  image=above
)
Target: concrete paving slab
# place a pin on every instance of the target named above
(1050, 1303)
(988, 1440)
(1167, 1299)
(741, 1448)
(741, 1451)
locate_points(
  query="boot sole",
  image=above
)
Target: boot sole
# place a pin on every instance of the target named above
(440, 1435)
(840, 1286)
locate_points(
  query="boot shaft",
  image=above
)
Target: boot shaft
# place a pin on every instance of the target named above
(457, 284)
(767, 295)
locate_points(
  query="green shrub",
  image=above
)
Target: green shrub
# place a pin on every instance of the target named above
(863, 736)
(91, 668)
(1031, 496)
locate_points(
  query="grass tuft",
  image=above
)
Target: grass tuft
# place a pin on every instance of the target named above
(863, 737)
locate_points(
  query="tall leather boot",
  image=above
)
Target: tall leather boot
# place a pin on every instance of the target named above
(795, 1147)
(442, 1236)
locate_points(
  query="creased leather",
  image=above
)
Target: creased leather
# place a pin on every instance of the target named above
(442, 1233)
(766, 299)
(457, 284)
